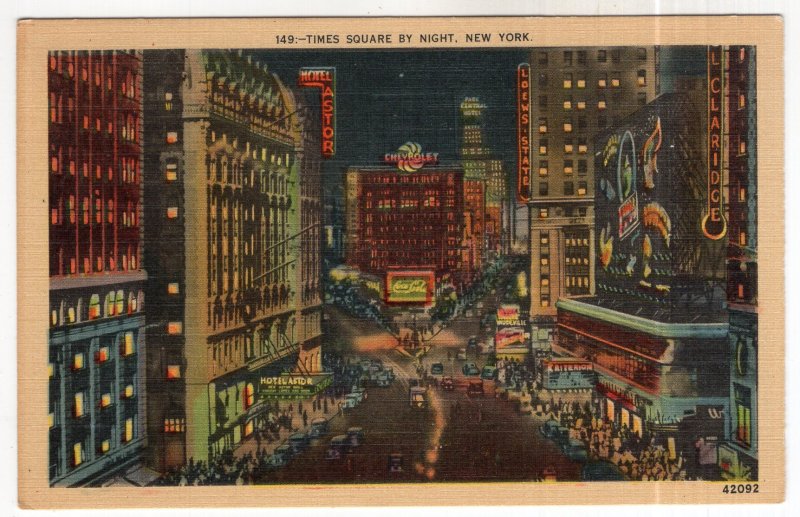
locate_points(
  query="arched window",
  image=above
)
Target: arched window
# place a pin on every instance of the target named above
(120, 302)
(110, 304)
(94, 307)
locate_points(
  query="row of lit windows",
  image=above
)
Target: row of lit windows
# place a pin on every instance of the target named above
(128, 166)
(66, 63)
(127, 435)
(544, 167)
(576, 281)
(580, 56)
(127, 217)
(569, 188)
(129, 262)
(114, 306)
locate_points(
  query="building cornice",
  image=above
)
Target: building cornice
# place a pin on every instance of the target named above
(58, 283)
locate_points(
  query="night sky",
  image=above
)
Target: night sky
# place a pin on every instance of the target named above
(387, 98)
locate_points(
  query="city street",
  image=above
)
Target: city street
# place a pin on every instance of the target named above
(456, 438)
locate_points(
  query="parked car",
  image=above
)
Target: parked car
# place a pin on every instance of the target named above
(298, 442)
(283, 453)
(470, 369)
(355, 436)
(338, 447)
(319, 427)
(352, 400)
(461, 354)
(475, 388)
(447, 383)
(437, 370)
(574, 449)
(549, 429)
(489, 372)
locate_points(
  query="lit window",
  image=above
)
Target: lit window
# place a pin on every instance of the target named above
(50, 370)
(544, 239)
(568, 127)
(582, 148)
(545, 282)
(173, 371)
(172, 171)
(249, 395)
(545, 302)
(582, 188)
(601, 104)
(568, 147)
(79, 409)
(128, 392)
(742, 146)
(602, 80)
(78, 361)
(568, 166)
(51, 419)
(545, 261)
(102, 354)
(105, 400)
(581, 105)
(174, 327)
(742, 239)
(543, 168)
(105, 446)
(581, 83)
(94, 306)
(543, 147)
(173, 288)
(542, 125)
(249, 427)
(172, 137)
(168, 101)
(567, 104)
(742, 194)
(740, 291)
(77, 454)
(641, 78)
(567, 81)
(128, 434)
(742, 100)
(128, 347)
(543, 213)
(172, 212)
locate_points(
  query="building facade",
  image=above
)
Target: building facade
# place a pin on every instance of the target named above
(738, 457)
(575, 93)
(656, 331)
(232, 235)
(405, 220)
(480, 165)
(96, 337)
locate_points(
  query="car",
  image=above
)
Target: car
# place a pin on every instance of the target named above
(549, 429)
(475, 388)
(470, 369)
(352, 400)
(338, 447)
(355, 436)
(282, 454)
(417, 396)
(461, 354)
(437, 370)
(574, 449)
(319, 427)
(601, 471)
(447, 383)
(489, 372)
(298, 442)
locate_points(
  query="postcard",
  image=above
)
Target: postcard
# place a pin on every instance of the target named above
(400, 261)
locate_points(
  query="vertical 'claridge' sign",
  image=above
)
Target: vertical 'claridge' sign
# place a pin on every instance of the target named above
(714, 224)
(323, 78)
(523, 132)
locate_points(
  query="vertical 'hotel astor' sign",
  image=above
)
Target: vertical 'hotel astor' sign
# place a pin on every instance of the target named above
(523, 132)
(714, 224)
(323, 78)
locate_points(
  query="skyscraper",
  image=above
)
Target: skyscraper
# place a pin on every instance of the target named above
(96, 340)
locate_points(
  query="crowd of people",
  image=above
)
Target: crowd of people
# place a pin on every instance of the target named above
(638, 456)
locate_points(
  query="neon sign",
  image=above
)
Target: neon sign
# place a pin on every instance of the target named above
(323, 78)
(410, 158)
(714, 224)
(523, 133)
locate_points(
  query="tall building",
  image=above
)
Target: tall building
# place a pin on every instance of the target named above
(738, 457)
(575, 93)
(231, 234)
(96, 340)
(656, 331)
(405, 220)
(481, 166)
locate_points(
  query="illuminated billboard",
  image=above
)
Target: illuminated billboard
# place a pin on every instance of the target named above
(412, 286)
(650, 181)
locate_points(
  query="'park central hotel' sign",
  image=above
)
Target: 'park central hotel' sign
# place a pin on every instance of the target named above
(714, 224)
